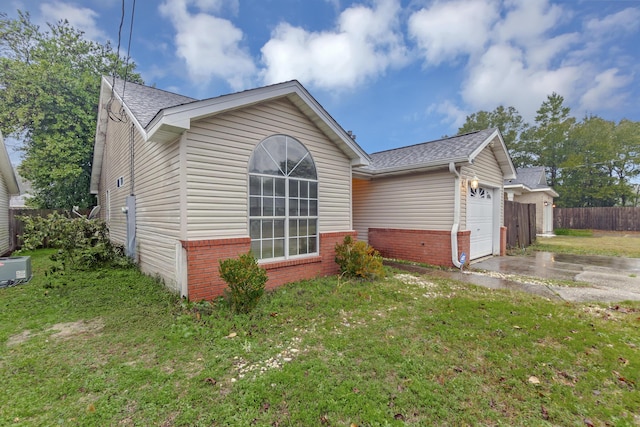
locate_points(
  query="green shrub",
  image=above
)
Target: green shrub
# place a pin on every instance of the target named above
(82, 243)
(358, 259)
(246, 281)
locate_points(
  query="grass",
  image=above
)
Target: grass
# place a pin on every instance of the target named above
(611, 244)
(572, 232)
(112, 347)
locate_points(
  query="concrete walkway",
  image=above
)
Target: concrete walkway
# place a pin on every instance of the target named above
(606, 279)
(598, 278)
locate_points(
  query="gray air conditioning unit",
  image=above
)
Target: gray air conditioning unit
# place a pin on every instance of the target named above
(14, 270)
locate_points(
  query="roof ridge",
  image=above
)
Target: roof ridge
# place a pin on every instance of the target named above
(432, 141)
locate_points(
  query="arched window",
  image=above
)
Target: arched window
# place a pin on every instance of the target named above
(283, 199)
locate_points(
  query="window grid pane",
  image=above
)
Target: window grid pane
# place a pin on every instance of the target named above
(283, 210)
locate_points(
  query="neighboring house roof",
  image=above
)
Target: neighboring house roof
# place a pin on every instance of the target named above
(6, 169)
(532, 179)
(162, 116)
(439, 153)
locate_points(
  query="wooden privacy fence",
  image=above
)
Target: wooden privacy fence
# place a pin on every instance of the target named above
(611, 219)
(16, 226)
(520, 220)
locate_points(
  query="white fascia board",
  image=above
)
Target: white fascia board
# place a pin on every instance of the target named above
(359, 156)
(106, 91)
(501, 152)
(179, 118)
(550, 191)
(133, 119)
(7, 170)
(422, 167)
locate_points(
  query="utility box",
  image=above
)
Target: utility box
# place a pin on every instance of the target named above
(14, 270)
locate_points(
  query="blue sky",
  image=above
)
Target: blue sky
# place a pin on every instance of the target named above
(394, 72)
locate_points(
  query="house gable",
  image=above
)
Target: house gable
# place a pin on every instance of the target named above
(168, 121)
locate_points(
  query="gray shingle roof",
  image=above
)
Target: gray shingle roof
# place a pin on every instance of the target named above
(441, 151)
(532, 177)
(145, 101)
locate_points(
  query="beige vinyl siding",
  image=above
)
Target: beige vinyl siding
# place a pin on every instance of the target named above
(4, 215)
(157, 189)
(156, 182)
(487, 169)
(419, 201)
(115, 164)
(218, 152)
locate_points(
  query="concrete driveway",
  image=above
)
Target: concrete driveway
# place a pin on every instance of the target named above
(605, 279)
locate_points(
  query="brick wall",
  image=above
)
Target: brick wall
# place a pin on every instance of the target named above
(426, 246)
(203, 258)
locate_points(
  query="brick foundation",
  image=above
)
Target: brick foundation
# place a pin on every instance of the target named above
(203, 256)
(426, 246)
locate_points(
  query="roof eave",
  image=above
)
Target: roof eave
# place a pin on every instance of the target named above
(106, 92)
(501, 153)
(169, 123)
(7, 170)
(401, 170)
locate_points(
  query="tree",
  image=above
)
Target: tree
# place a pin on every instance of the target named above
(513, 128)
(586, 171)
(548, 138)
(49, 90)
(626, 164)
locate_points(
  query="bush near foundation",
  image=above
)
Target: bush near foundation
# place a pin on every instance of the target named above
(358, 259)
(246, 281)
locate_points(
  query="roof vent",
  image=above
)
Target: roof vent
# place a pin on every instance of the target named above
(351, 134)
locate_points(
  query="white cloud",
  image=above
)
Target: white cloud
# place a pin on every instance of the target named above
(454, 116)
(605, 92)
(627, 20)
(365, 43)
(447, 30)
(519, 53)
(501, 77)
(210, 46)
(527, 21)
(80, 18)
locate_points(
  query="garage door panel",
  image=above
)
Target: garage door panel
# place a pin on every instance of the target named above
(480, 213)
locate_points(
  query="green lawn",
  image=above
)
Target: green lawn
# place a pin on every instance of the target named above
(112, 347)
(592, 243)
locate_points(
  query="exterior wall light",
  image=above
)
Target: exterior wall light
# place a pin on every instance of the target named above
(546, 203)
(474, 182)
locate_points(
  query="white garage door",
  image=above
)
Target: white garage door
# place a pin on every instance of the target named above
(480, 221)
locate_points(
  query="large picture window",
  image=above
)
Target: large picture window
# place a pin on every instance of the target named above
(283, 199)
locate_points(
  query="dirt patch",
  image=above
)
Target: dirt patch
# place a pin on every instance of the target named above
(62, 331)
(19, 338)
(74, 329)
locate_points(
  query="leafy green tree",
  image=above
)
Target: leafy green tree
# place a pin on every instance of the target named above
(548, 137)
(586, 177)
(513, 128)
(626, 164)
(49, 92)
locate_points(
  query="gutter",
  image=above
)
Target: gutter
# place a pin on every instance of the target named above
(456, 216)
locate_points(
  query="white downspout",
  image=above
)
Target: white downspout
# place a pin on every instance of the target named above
(456, 216)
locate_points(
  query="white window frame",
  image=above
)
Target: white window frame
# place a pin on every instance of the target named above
(287, 218)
